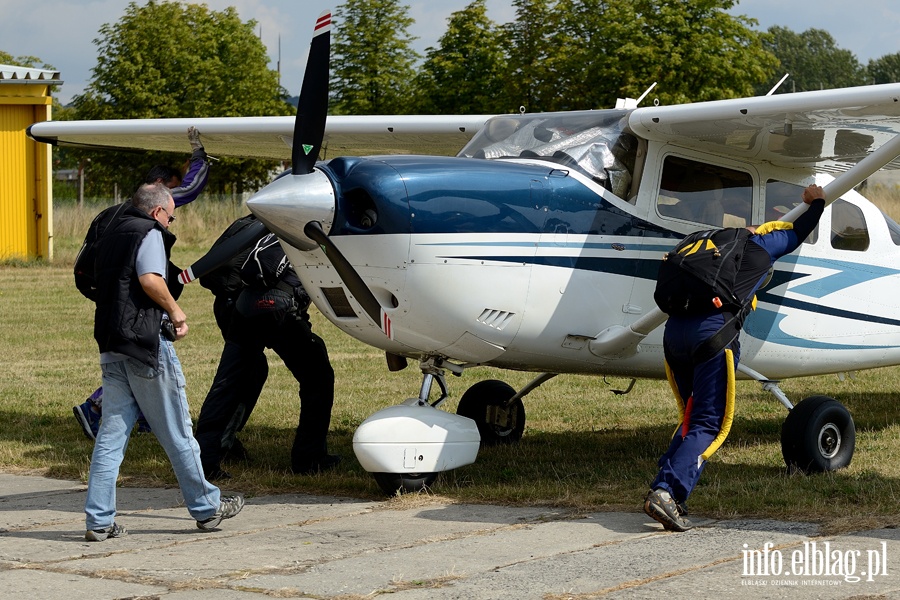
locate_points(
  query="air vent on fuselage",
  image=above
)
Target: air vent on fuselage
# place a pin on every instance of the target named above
(495, 318)
(338, 301)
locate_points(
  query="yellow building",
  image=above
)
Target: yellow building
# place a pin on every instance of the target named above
(26, 196)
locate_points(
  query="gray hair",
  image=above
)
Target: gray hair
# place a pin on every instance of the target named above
(151, 195)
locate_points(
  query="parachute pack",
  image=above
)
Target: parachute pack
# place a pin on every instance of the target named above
(698, 276)
(267, 265)
(84, 262)
(226, 279)
(87, 256)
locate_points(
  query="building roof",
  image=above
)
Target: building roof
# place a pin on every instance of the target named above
(14, 74)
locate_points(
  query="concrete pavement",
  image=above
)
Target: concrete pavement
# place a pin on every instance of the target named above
(297, 546)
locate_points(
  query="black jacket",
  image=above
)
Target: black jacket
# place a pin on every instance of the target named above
(126, 320)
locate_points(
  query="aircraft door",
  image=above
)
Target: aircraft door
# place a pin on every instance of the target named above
(581, 277)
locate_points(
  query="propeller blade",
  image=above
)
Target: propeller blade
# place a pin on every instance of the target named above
(312, 106)
(219, 255)
(350, 277)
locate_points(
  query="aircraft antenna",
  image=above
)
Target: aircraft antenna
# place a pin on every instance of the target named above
(631, 103)
(778, 85)
(644, 95)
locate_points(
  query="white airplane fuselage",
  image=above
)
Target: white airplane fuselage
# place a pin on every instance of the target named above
(520, 261)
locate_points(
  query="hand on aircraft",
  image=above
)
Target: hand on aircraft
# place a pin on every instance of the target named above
(194, 139)
(813, 192)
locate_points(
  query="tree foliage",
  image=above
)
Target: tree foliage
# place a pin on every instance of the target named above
(372, 62)
(172, 59)
(168, 59)
(693, 50)
(464, 74)
(813, 60)
(530, 80)
(885, 69)
(29, 62)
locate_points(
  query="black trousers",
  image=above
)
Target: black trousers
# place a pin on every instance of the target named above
(242, 372)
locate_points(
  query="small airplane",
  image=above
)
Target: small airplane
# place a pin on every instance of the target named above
(536, 247)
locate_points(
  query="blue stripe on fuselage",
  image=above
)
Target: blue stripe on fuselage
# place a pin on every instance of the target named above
(762, 324)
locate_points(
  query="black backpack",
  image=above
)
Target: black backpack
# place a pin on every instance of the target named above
(84, 263)
(698, 276)
(226, 279)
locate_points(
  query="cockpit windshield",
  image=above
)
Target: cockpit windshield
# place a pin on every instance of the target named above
(591, 142)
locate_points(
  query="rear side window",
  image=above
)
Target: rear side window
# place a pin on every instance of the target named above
(848, 227)
(893, 228)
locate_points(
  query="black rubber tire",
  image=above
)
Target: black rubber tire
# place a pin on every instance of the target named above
(480, 403)
(818, 435)
(391, 483)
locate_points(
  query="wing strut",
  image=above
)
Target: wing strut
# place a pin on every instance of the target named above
(619, 342)
(849, 179)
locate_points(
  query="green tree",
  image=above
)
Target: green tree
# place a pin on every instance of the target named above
(885, 69)
(465, 73)
(813, 60)
(530, 79)
(168, 59)
(372, 63)
(694, 50)
(29, 62)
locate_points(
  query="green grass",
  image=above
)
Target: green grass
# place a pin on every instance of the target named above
(584, 447)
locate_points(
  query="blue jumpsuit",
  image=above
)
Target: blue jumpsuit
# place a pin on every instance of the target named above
(705, 391)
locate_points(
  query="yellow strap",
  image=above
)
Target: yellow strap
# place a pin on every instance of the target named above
(771, 226)
(728, 418)
(678, 399)
(695, 247)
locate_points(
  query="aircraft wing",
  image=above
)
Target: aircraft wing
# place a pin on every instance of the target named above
(831, 130)
(269, 137)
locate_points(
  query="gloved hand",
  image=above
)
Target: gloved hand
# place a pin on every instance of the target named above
(194, 139)
(302, 298)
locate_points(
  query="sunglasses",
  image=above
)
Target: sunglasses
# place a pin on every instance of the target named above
(171, 217)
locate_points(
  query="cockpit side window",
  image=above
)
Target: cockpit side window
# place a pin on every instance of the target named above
(781, 197)
(848, 227)
(704, 193)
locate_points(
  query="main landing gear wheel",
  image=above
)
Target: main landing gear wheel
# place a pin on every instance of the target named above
(391, 483)
(484, 404)
(818, 435)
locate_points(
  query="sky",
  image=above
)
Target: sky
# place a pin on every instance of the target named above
(61, 32)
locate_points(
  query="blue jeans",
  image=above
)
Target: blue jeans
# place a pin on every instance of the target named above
(130, 386)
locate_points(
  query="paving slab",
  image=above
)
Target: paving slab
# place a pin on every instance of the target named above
(303, 546)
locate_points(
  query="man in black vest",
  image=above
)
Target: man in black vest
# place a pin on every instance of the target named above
(184, 190)
(702, 374)
(135, 322)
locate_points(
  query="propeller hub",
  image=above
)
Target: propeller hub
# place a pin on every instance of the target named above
(287, 204)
